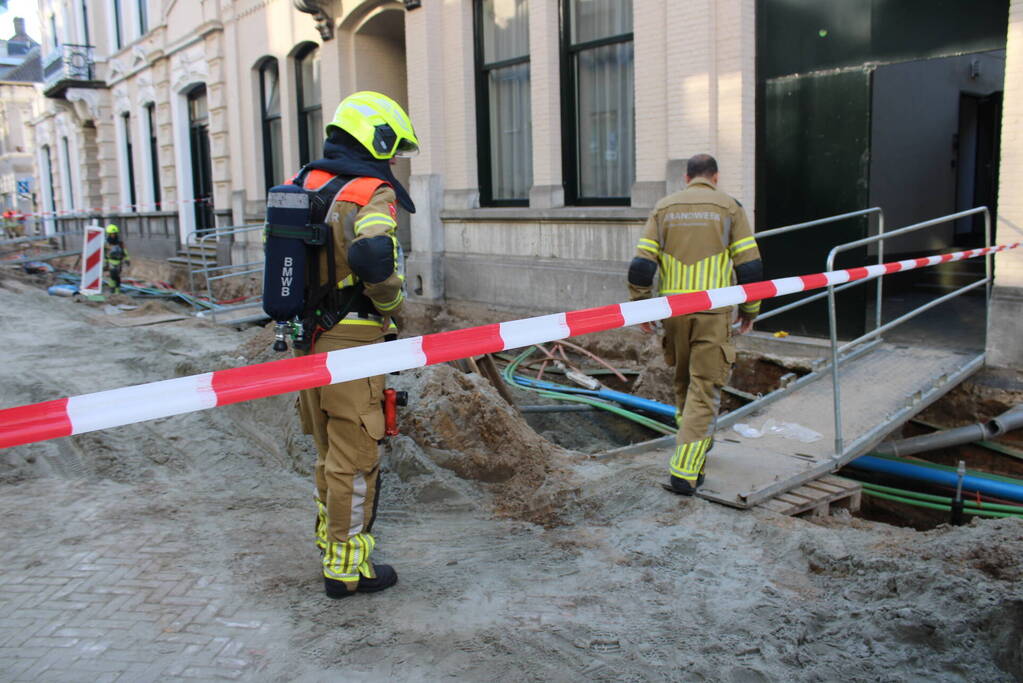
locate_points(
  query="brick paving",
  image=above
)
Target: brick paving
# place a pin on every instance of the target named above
(103, 610)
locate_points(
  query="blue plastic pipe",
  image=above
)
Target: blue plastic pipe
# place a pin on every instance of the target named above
(990, 487)
(616, 396)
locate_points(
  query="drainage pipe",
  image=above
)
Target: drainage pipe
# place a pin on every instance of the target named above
(1008, 421)
(990, 487)
(980, 431)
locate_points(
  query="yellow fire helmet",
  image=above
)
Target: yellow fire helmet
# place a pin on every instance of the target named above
(378, 123)
(113, 229)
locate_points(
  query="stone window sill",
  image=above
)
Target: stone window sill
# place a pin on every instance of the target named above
(568, 214)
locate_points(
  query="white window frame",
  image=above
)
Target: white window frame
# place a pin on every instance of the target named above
(69, 166)
(148, 197)
(121, 139)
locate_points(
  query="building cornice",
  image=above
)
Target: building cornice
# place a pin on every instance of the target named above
(157, 54)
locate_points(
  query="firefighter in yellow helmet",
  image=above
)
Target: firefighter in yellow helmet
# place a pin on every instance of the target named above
(360, 301)
(116, 256)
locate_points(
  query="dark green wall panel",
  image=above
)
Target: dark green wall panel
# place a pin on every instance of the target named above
(815, 163)
(810, 35)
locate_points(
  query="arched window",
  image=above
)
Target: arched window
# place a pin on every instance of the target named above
(143, 16)
(202, 165)
(69, 193)
(51, 199)
(310, 111)
(270, 109)
(129, 163)
(154, 159)
(118, 29)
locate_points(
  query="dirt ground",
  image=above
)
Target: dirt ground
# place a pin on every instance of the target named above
(518, 559)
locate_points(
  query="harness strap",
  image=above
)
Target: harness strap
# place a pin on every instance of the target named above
(326, 304)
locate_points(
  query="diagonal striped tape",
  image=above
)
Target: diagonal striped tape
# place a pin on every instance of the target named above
(128, 405)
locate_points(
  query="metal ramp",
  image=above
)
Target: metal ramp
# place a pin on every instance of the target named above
(865, 390)
(881, 390)
(871, 388)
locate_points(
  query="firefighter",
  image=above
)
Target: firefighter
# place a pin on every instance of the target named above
(359, 305)
(694, 240)
(116, 256)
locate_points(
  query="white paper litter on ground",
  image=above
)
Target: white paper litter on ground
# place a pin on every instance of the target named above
(788, 430)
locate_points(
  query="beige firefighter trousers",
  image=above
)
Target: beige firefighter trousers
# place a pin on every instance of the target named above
(700, 348)
(346, 421)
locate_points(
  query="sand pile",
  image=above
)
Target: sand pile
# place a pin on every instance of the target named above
(463, 425)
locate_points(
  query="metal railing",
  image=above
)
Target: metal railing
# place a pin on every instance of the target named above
(789, 384)
(822, 221)
(850, 350)
(35, 237)
(146, 224)
(152, 233)
(205, 240)
(69, 62)
(836, 350)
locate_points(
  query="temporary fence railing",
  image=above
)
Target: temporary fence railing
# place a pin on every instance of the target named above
(36, 238)
(760, 235)
(820, 368)
(837, 350)
(204, 241)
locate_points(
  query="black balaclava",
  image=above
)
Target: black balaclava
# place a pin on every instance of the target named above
(344, 155)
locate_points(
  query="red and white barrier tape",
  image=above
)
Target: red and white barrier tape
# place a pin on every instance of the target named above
(128, 405)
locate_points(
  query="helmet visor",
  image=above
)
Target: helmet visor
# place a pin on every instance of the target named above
(406, 148)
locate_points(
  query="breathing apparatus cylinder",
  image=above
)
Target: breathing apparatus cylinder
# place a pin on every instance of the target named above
(285, 237)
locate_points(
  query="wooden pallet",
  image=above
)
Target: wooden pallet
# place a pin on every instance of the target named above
(818, 497)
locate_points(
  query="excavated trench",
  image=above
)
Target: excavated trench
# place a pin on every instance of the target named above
(595, 430)
(592, 431)
(978, 399)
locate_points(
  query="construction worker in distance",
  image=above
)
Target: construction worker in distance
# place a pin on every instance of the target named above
(13, 223)
(346, 420)
(116, 256)
(694, 240)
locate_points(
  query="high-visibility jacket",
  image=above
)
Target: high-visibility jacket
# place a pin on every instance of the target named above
(116, 254)
(363, 208)
(696, 237)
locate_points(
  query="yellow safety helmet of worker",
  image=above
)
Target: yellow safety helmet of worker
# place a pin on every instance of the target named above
(378, 123)
(113, 229)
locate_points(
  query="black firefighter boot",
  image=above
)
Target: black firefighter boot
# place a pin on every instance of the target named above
(385, 578)
(683, 487)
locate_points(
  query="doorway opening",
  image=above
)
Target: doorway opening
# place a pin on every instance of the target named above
(202, 165)
(978, 143)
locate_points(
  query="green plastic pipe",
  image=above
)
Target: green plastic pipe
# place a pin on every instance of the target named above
(610, 407)
(508, 375)
(936, 506)
(1015, 509)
